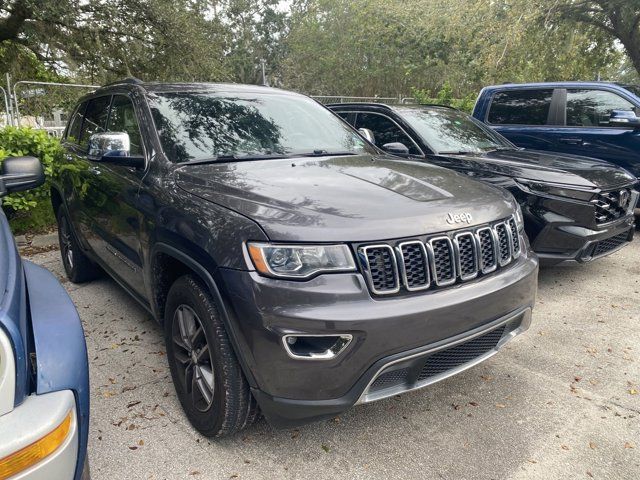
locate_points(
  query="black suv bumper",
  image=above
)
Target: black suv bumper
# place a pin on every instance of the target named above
(562, 242)
(395, 339)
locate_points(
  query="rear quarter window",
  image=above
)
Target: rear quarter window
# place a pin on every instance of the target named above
(520, 107)
(75, 124)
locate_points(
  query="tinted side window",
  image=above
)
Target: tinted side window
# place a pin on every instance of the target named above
(73, 132)
(348, 117)
(385, 131)
(95, 118)
(123, 119)
(592, 108)
(520, 107)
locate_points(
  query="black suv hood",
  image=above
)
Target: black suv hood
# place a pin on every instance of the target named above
(349, 198)
(543, 166)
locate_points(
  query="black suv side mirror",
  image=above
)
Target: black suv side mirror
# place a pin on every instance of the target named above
(624, 119)
(20, 173)
(396, 148)
(115, 148)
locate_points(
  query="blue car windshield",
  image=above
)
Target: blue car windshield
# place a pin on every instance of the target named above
(227, 126)
(447, 130)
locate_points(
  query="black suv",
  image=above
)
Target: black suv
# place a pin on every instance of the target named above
(575, 208)
(294, 267)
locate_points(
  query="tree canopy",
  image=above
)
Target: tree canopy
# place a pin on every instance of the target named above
(346, 47)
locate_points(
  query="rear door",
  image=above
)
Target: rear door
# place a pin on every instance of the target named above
(524, 116)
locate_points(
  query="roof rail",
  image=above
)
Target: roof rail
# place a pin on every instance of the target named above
(128, 80)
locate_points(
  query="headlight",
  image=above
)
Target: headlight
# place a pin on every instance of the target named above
(300, 261)
(555, 190)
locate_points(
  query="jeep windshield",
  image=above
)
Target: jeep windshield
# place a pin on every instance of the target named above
(227, 126)
(449, 131)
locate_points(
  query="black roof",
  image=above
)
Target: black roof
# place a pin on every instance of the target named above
(190, 86)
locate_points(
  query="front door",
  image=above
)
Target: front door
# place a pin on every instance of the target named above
(117, 223)
(586, 130)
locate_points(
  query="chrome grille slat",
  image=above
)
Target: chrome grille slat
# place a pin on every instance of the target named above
(414, 265)
(504, 243)
(488, 249)
(515, 238)
(466, 255)
(441, 260)
(607, 205)
(381, 269)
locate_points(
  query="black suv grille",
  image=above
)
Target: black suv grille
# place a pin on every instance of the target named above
(439, 362)
(440, 261)
(612, 205)
(609, 244)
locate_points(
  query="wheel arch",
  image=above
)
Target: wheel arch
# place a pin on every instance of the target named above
(168, 264)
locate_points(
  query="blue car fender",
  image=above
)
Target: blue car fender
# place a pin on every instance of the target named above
(59, 344)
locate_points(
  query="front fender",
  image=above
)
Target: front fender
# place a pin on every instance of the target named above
(59, 344)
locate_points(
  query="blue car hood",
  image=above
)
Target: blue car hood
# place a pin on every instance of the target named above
(13, 318)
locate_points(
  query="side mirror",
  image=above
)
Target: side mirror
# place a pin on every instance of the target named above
(396, 148)
(115, 148)
(624, 119)
(368, 135)
(20, 173)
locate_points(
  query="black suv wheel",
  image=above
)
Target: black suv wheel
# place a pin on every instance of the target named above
(78, 267)
(208, 379)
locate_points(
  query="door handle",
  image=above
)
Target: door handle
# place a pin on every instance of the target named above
(571, 141)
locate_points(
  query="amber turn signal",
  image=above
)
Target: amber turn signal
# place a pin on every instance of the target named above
(37, 451)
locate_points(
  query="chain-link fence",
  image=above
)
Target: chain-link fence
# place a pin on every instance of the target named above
(328, 99)
(40, 105)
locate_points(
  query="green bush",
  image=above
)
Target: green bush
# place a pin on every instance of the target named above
(445, 97)
(31, 210)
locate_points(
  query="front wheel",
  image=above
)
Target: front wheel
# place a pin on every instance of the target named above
(207, 377)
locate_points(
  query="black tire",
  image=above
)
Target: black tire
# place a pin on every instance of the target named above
(78, 267)
(206, 374)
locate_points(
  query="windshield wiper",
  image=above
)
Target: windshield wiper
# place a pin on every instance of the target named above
(459, 152)
(498, 149)
(235, 158)
(323, 153)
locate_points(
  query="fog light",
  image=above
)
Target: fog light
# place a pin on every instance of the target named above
(315, 347)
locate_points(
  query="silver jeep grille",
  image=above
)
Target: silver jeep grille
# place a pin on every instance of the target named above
(439, 261)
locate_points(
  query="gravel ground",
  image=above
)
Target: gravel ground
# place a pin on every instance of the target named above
(560, 402)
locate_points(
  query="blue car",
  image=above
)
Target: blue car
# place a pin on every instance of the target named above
(595, 119)
(44, 375)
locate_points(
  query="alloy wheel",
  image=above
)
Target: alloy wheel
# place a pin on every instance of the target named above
(193, 357)
(66, 245)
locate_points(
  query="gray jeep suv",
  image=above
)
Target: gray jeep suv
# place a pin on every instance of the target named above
(297, 269)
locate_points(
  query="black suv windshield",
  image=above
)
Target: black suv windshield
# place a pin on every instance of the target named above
(200, 126)
(451, 131)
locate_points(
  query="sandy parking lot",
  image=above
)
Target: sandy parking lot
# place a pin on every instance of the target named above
(562, 401)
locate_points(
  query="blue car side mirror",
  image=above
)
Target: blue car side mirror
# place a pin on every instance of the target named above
(624, 119)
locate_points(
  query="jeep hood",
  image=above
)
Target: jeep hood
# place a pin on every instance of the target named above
(348, 198)
(544, 167)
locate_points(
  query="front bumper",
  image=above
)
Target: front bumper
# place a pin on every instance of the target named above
(573, 243)
(36, 417)
(293, 392)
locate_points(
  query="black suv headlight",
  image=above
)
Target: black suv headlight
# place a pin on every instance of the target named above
(300, 261)
(554, 190)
